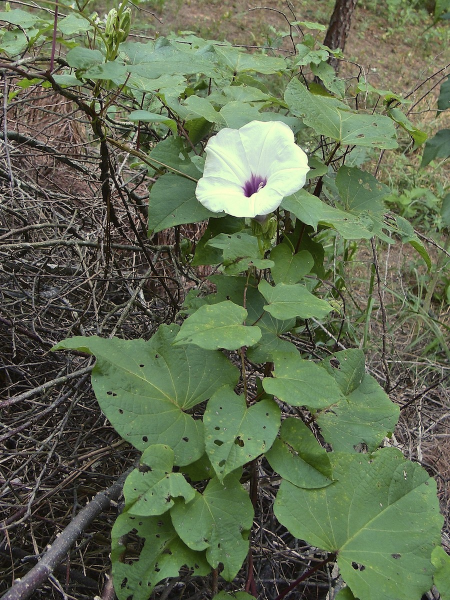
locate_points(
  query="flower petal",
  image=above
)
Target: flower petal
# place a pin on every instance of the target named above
(219, 195)
(267, 145)
(226, 157)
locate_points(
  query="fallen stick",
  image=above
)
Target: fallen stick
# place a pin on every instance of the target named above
(23, 588)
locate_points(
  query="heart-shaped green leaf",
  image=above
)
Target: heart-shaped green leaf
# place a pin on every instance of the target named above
(162, 555)
(218, 326)
(301, 382)
(144, 388)
(289, 301)
(298, 457)
(235, 434)
(217, 520)
(381, 517)
(149, 490)
(365, 414)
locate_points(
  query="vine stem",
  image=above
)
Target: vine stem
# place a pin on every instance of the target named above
(305, 575)
(55, 27)
(250, 585)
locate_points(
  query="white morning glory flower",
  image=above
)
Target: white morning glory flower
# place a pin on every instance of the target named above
(248, 171)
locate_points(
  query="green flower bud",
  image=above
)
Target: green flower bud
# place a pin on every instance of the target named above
(111, 23)
(125, 24)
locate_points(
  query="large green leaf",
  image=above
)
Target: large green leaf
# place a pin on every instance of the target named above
(235, 434)
(172, 198)
(217, 520)
(152, 60)
(290, 268)
(83, 58)
(74, 23)
(444, 96)
(171, 153)
(148, 117)
(365, 414)
(173, 202)
(301, 382)
(441, 562)
(162, 555)
(334, 119)
(20, 17)
(312, 211)
(144, 388)
(201, 107)
(361, 192)
(298, 457)
(381, 517)
(436, 147)
(238, 61)
(113, 70)
(218, 326)
(288, 301)
(150, 489)
(239, 113)
(208, 255)
(239, 251)
(240, 291)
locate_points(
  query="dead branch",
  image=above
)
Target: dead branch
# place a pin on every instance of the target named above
(25, 587)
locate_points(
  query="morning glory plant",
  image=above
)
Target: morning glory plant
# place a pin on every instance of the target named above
(248, 171)
(227, 391)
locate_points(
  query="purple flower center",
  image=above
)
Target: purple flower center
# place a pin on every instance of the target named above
(253, 185)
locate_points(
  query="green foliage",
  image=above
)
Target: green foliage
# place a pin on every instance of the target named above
(364, 415)
(437, 147)
(217, 521)
(441, 562)
(174, 397)
(235, 435)
(381, 513)
(330, 117)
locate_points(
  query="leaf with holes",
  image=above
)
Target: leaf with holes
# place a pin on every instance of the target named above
(289, 301)
(381, 517)
(218, 326)
(150, 489)
(217, 521)
(361, 192)
(298, 457)
(239, 251)
(332, 118)
(144, 388)
(364, 415)
(235, 434)
(301, 382)
(162, 555)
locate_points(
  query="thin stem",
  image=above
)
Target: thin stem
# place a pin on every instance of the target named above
(305, 575)
(55, 27)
